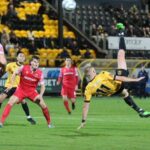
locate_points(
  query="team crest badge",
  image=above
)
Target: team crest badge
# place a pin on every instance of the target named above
(119, 72)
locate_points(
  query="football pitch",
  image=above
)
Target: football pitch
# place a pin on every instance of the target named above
(111, 125)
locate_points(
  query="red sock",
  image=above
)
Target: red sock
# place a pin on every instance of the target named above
(5, 113)
(66, 104)
(46, 115)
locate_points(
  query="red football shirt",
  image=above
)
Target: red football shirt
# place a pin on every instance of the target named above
(29, 79)
(69, 77)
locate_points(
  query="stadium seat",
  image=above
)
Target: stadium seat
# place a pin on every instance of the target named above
(43, 62)
(51, 62)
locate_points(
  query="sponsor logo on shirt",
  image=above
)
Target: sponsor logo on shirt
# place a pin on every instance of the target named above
(30, 79)
(67, 73)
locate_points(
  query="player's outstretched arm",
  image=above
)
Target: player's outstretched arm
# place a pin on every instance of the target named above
(84, 115)
(127, 79)
(60, 77)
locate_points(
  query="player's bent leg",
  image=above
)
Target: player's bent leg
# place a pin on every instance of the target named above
(3, 96)
(72, 96)
(130, 102)
(27, 112)
(13, 100)
(73, 100)
(64, 93)
(121, 60)
(125, 93)
(66, 103)
(128, 99)
(39, 100)
(121, 54)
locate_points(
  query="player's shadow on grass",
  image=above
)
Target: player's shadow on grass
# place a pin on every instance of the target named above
(83, 134)
(16, 124)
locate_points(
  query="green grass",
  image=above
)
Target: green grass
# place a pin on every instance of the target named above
(111, 125)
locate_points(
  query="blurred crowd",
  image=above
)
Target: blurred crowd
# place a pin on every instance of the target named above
(137, 22)
(34, 22)
(101, 23)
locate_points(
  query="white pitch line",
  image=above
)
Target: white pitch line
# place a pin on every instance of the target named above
(76, 118)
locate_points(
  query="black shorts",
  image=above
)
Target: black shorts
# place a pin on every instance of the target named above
(10, 92)
(122, 72)
(119, 91)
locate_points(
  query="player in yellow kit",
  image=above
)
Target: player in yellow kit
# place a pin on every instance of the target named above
(108, 84)
(10, 68)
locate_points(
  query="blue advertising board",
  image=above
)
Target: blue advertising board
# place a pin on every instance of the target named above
(50, 78)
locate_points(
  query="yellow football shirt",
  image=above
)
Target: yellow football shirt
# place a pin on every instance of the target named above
(10, 68)
(104, 84)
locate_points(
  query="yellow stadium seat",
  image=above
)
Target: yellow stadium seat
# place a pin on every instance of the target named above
(51, 62)
(13, 54)
(82, 51)
(43, 62)
(93, 53)
(11, 50)
(27, 61)
(41, 34)
(41, 51)
(45, 16)
(43, 55)
(25, 51)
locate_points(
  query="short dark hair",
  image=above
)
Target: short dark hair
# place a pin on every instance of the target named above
(35, 57)
(19, 52)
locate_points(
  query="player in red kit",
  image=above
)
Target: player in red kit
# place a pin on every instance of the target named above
(30, 76)
(69, 78)
(2, 60)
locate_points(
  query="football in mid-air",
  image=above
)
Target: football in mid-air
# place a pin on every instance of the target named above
(69, 5)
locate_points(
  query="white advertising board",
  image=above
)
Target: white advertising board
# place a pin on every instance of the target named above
(132, 43)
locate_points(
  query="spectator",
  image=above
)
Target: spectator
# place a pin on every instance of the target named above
(5, 39)
(142, 84)
(31, 47)
(131, 31)
(134, 9)
(94, 29)
(10, 14)
(13, 38)
(87, 54)
(112, 30)
(49, 42)
(64, 54)
(75, 49)
(60, 58)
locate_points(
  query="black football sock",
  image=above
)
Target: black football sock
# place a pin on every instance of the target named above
(132, 104)
(26, 109)
(0, 105)
(122, 44)
(73, 106)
